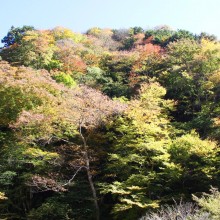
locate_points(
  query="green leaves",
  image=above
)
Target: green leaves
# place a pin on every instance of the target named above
(39, 157)
(195, 159)
(210, 202)
(65, 79)
(139, 151)
(58, 130)
(14, 36)
(6, 178)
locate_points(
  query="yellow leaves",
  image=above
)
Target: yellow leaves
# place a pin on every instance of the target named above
(192, 144)
(37, 48)
(151, 94)
(114, 157)
(149, 111)
(210, 46)
(60, 33)
(147, 106)
(121, 207)
(137, 199)
(203, 147)
(217, 121)
(129, 198)
(116, 188)
(39, 36)
(95, 31)
(132, 188)
(139, 204)
(30, 35)
(2, 196)
(186, 75)
(209, 171)
(215, 78)
(38, 153)
(183, 51)
(208, 56)
(39, 157)
(208, 85)
(157, 146)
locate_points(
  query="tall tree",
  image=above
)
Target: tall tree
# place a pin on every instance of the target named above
(139, 154)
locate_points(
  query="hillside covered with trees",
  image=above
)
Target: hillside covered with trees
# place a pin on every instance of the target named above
(109, 124)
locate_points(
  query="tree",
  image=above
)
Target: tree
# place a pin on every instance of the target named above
(15, 35)
(207, 36)
(48, 115)
(120, 34)
(195, 160)
(181, 34)
(159, 36)
(190, 65)
(92, 109)
(138, 154)
(35, 49)
(61, 33)
(94, 78)
(117, 68)
(68, 53)
(103, 38)
(21, 156)
(136, 30)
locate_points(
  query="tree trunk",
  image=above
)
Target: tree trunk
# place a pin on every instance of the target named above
(92, 186)
(89, 175)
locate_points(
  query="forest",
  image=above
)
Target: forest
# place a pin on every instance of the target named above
(109, 124)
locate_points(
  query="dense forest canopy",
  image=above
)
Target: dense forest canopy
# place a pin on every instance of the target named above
(109, 124)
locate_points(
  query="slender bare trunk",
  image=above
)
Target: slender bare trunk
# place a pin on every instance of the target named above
(89, 175)
(92, 186)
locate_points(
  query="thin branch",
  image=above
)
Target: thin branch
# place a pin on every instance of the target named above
(70, 180)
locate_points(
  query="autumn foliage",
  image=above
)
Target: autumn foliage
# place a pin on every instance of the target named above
(109, 124)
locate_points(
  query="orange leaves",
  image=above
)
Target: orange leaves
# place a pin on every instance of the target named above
(133, 79)
(77, 65)
(139, 39)
(69, 54)
(148, 49)
(144, 52)
(91, 59)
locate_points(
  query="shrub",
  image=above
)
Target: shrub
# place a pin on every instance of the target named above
(182, 211)
(210, 203)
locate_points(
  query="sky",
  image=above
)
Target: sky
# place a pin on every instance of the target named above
(79, 15)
